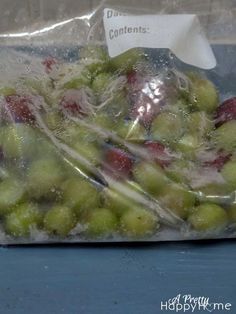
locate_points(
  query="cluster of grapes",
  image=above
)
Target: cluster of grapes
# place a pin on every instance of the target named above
(72, 146)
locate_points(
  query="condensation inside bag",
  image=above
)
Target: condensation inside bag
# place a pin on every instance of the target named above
(138, 147)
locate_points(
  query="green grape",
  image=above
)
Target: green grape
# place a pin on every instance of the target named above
(131, 131)
(178, 171)
(98, 57)
(167, 127)
(93, 52)
(229, 173)
(100, 222)
(45, 148)
(224, 136)
(214, 193)
(20, 141)
(73, 133)
(103, 121)
(11, 193)
(188, 145)
(180, 106)
(90, 151)
(150, 177)
(77, 82)
(178, 199)
(60, 220)
(118, 105)
(208, 217)
(4, 173)
(43, 88)
(53, 120)
(204, 94)
(22, 219)
(7, 91)
(101, 82)
(127, 60)
(231, 211)
(80, 195)
(200, 123)
(117, 202)
(44, 177)
(138, 223)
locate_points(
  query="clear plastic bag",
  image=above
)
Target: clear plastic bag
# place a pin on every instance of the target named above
(136, 147)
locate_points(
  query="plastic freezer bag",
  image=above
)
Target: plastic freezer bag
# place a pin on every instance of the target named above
(119, 125)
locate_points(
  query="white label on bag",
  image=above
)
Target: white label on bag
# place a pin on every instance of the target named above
(181, 33)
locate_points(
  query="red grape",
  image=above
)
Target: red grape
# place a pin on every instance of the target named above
(73, 103)
(17, 109)
(136, 81)
(118, 163)
(219, 160)
(226, 111)
(49, 63)
(159, 153)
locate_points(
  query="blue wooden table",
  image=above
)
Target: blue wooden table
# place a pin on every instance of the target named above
(114, 279)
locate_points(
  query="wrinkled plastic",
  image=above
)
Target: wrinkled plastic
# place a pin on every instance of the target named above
(140, 147)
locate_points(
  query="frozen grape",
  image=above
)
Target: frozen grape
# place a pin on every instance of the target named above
(127, 60)
(75, 103)
(7, 91)
(96, 59)
(78, 82)
(44, 177)
(150, 177)
(117, 104)
(178, 171)
(103, 121)
(218, 161)
(53, 120)
(20, 141)
(49, 63)
(158, 152)
(17, 108)
(138, 223)
(229, 173)
(214, 193)
(118, 163)
(224, 136)
(100, 222)
(188, 145)
(178, 199)
(131, 131)
(89, 150)
(22, 220)
(200, 123)
(231, 211)
(80, 195)
(12, 191)
(167, 127)
(204, 94)
(93, 52)
(226, 111)
(208, 217)
(60, 220)
(117, 202)
(101, 82)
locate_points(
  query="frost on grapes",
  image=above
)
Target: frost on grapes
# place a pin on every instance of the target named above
(116, 85)
(78, 229)
(38, 235)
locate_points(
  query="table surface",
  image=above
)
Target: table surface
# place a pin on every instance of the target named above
(86, 279)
